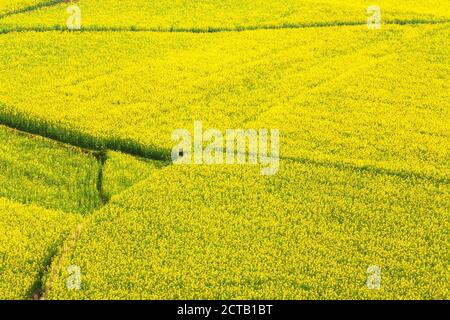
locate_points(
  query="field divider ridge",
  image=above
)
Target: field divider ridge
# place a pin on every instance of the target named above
(98, 147)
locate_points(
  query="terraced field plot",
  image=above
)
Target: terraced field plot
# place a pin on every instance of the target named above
(365, 139)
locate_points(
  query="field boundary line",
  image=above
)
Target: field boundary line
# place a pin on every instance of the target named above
(36, 288)
(72, 147)
(7, 30)
(31, 8)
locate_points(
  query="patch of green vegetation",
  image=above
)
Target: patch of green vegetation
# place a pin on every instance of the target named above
(29, 238)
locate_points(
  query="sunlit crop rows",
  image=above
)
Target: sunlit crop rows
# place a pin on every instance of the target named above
(336, 94)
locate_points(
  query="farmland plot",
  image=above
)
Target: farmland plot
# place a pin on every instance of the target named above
(9, 7)
(338, 101)
(121, 171)
(364, 171)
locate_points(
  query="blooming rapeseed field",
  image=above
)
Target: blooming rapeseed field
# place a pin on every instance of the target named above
(364, 177)
(329, 90)
(228, 232)
(211, 15)
(8, 7)
(30, 236)
(41, 171)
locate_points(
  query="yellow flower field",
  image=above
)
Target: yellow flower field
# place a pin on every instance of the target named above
(8, 7)
(93, 205)
(30, 236)
(228, 233)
